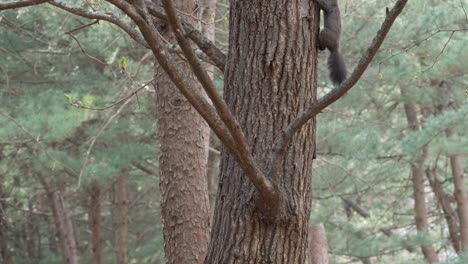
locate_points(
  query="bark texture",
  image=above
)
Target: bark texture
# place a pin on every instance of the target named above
(269, 78)
(183, 144)
(119, 197)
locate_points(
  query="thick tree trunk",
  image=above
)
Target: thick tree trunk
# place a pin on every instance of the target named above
(270, 76)
(318, 246)
(417, 171)
(444, 203)
(119, 197)
(94, 220)
(183, 138)
(65, 228)
(461, 196)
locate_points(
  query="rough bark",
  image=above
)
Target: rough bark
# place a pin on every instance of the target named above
(417, 171)
(65, 228)
(444, 203)
(269, 78)
(94, 221)
(119, 197)
(183, 144)
(318, 246)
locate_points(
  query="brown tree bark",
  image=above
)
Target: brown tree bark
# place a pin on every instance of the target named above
(270, 77)
(183, 146)
(94, 220)
(65, 228)
(461, 196)
(417, 172)
(119, 199)
(444, 202)
(318, 246)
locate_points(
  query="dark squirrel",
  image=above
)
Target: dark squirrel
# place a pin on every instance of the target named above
(329, 38)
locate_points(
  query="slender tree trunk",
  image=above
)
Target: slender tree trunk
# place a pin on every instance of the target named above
(4, 251)
(417, 172)
(270, 76)
(318, 246)
(119, 197)
(52, 235)
(444, 203)
(208, 14)
(94, 219)
(461, 196)
(183, 138)
(65, 228)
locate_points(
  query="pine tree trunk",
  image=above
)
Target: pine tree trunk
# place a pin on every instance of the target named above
(318, 246)
(94, 220)
(461, 196)
(4, 251)
(65, 228)
(444, 203)
(207, 16)
(417, 171)
(270, 76)
(119, 197)
(183, 144)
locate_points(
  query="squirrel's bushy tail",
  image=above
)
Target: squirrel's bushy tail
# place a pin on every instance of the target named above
(337, 67)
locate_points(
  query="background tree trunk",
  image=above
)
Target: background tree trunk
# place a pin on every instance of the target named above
(183, 138)
(94, 220)
(65, 228)
(444, 203)
(417, 171)
(270, 77)
(4, 250)
(318, 246)
(461, 196)
(119, 197)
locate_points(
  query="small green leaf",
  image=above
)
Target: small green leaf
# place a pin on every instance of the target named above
(79, 103)
(68, 97)
(123, 63)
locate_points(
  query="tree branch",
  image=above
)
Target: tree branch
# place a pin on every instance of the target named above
(196, 100)
(264, 186)
(208, 47)
(315, 108)
(23, 3)
(135, 35)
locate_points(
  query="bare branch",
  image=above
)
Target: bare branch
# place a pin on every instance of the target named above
(198, 102)
(135, 35)
(23, 3)
(207, 46)
(316, 107)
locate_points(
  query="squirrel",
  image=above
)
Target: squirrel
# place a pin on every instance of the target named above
(329, 37)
